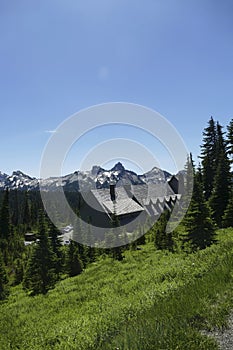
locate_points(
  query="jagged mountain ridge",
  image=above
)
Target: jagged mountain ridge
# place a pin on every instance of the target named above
(97, 177)
(18, 180)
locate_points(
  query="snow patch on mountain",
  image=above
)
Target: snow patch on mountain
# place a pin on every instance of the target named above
(97, 177)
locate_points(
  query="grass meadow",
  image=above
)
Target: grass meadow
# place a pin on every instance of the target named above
(150, 300)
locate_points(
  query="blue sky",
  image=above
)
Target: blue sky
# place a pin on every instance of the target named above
(58, 57)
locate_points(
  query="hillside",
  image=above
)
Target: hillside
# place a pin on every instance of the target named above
(152, 297)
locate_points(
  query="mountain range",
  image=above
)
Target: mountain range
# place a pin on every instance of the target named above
(97, 177)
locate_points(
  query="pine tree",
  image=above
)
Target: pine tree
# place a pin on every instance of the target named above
(188, 182)
(133, 241)
(74, 263)
(5, 217)
(230, 140)
(208, 156)
(3, 280)
(79, 236)
(16, 245)
(35, 207)
(221, 186)
(117, 250)
(221, 143)
(142, 237)
(40, 274)
(56, 245)
(5, 227)
(189, 167)
(197, 222)
(90, 249)
(182, 204)
(162, 238)
(18, 271)
(228, 214)
(15, 215)
(26, 213)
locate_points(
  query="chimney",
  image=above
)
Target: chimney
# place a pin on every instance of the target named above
(112, 190)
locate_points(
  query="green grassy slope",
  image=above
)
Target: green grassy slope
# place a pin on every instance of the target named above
(151, 300)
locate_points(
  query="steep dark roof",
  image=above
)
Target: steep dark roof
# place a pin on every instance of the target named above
(150, 198)
(145, 193)
(123, 204)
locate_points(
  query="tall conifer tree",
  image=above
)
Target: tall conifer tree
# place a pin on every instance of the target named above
(3, 280)
(208, 156)
(228, 214)
(56, 245)
(221, 186)
(40, 274)
(230, 140)
(74, 263)
(26, 213)
(5, 227)
(5, 217)
(90, 250)
(15, 215)
(115, 232)
(162, 238)
(197, 222)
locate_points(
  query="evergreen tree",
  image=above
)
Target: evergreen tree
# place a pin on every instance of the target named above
(117, 250)
(5, 227)
(15, 214)
(228, 214)
(197, 222)
(40, 274)
(16, 245)
(26, 213)
(79, 236)
(220, 193)
(133, 244)
(162, 238)
(142, 237)
(230, 140)
(35, 207)
(74, 263)
(111, 242)
(189, 167)
(182, 204)
(3, 280)
(90, 249)
(18, 271)
(188, 182)
(221, 143)
(56, 245)
(5, 218)
(208, 156)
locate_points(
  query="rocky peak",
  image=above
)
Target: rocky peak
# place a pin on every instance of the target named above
(118, 167)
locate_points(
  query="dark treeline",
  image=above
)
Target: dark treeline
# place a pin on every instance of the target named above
(40, 265)
(24, 207)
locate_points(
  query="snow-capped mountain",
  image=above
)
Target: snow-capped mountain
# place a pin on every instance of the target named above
(18, 180)
(97, 177)
(3, 178)
(119, 174)
(155, 175)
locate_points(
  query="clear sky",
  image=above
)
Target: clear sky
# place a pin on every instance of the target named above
(58, 57)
